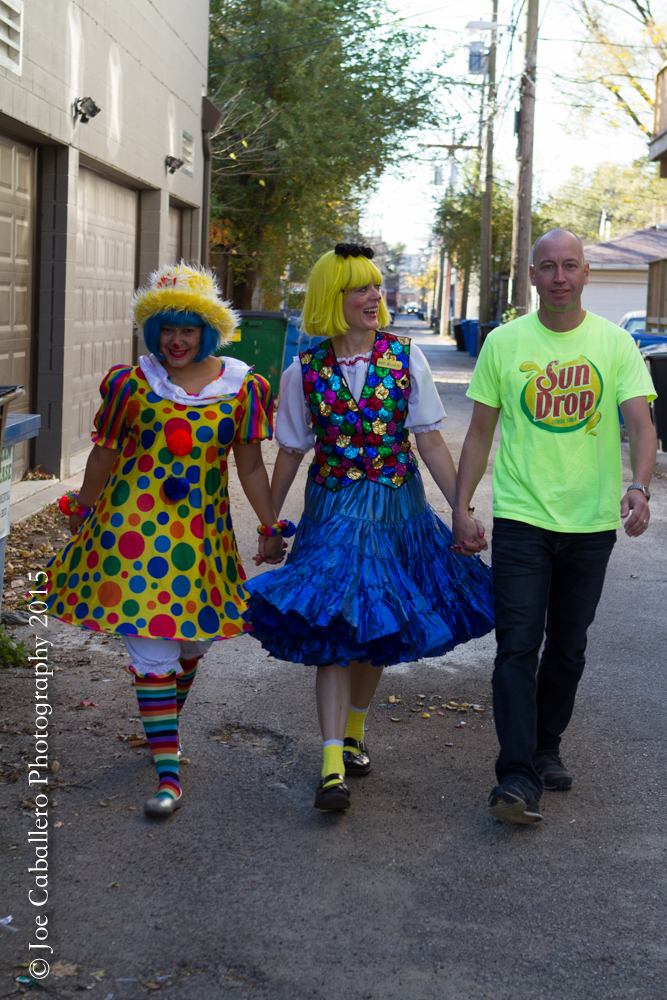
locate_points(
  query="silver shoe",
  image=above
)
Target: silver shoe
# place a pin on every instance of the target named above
(162, 805)
(180, 750)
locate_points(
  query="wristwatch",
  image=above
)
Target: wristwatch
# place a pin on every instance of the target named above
(637, 486)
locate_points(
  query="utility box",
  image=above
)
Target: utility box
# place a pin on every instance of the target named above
(14, 428)
(260, 342)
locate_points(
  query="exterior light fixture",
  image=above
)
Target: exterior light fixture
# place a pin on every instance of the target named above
(85, 109)
(173, 163)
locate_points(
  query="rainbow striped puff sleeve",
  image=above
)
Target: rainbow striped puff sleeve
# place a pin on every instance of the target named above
(111, 418)
(257, 421)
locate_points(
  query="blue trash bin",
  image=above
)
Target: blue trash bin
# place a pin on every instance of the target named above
(292, 338)
(470, 335)
(649, 339)
(296, 340)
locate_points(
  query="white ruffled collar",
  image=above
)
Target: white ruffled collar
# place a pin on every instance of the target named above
(350, 360)
(228, 383)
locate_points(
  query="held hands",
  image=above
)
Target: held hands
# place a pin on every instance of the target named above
(634, 507)
(75, 522)
(270, 550)
(468, 534)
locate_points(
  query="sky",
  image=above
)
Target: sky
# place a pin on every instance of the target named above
(402, 208)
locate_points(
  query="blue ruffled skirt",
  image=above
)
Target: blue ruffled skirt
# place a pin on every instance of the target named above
(371, 576)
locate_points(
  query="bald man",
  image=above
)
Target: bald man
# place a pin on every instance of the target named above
(555, 378)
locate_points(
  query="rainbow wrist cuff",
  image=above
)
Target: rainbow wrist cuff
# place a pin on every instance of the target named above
(69, 504)
(284, 528)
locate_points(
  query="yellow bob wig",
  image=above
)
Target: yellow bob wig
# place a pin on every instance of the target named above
(332, 277)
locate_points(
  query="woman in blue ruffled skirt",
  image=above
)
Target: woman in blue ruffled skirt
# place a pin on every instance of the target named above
(372, 579)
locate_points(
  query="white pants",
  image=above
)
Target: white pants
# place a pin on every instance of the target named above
(160, 656)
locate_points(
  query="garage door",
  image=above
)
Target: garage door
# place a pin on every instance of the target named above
(105, 265)
(16, 261)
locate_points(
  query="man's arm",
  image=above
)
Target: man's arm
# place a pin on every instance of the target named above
(643, 447)
(472, 466)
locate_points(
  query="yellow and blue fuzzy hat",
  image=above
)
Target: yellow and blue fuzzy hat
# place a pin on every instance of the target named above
(184, 288)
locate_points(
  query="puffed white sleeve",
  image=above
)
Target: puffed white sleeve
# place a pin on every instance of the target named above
(293, 428)
(425, 409)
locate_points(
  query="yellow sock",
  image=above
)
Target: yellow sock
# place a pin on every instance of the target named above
(354, 729)
(333, 758)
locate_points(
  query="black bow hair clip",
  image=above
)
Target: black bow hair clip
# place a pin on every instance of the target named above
(346, 250)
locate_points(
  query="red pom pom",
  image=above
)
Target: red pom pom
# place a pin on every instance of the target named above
(179, 442)
(63, 504)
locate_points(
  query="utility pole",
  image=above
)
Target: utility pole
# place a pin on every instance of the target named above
(521, 229)
(487, 195)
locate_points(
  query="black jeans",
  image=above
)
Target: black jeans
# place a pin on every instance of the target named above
(540, 576)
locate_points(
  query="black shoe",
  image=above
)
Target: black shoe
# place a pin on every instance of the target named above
(554, 774)
(515, 804)
(356, 764)
(333, 797)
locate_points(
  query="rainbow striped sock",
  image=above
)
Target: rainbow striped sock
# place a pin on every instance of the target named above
(184, 680)
(156, 695)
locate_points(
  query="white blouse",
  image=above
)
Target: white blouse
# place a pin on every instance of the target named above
(227, 384)
(294, 430)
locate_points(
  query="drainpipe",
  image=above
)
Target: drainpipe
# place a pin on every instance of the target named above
(210, 120)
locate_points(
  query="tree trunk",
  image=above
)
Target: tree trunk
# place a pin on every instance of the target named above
(464, 293)
(242, 290)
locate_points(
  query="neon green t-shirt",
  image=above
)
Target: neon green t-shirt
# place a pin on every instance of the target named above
(559, 461)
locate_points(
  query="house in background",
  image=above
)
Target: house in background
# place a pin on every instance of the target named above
(104, 173)
(619, 272)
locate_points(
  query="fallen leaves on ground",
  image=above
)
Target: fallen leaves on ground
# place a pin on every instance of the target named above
(62, 969)
(134, 739)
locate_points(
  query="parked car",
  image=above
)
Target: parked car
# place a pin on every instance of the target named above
(634, 322)
(411, 307)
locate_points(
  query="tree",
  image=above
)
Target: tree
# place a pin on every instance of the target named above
(458, 227)
(316, 98)
(609, 200)
(625, 46)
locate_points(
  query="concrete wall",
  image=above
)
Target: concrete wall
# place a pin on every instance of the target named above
(145, 65)
(612, 292)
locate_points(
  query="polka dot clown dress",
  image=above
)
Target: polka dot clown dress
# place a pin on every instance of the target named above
(157, 556)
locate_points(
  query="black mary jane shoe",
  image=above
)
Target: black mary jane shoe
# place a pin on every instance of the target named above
(356, 764)
(334, 797)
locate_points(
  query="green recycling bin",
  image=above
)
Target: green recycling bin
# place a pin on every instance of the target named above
(260, 342)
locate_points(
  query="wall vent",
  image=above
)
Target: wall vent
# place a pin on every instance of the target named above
(11, 35)
(187, 152)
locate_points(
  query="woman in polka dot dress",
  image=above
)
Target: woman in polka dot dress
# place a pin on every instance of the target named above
(154, 556)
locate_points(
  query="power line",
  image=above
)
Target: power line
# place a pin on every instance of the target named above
(271, 52)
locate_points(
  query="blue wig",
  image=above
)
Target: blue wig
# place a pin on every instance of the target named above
(210, 338)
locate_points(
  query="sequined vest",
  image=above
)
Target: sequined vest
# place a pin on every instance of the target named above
(365, 439)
